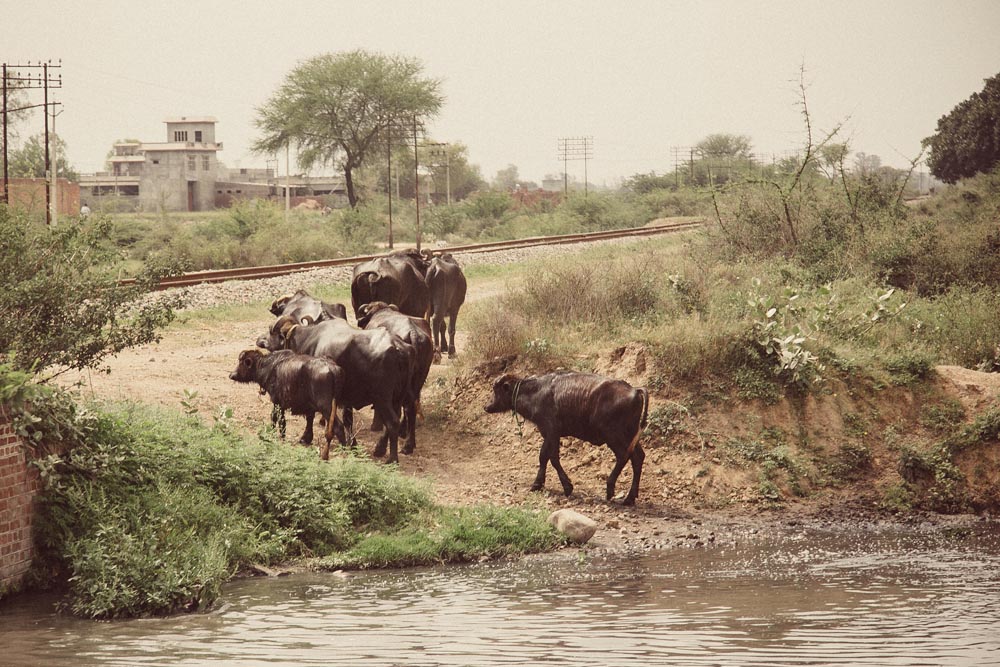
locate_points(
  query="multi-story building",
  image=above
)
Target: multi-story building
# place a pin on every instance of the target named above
(178, 174)
(184, 174)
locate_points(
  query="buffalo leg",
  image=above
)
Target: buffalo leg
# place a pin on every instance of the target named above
(621, 458)
(307, 436)
(352, 440)
(278, 419)
(563, 477)
(451, 334)
(439, 332)
(410, 417)
(390, 417)
(543, 463)
(638, 456)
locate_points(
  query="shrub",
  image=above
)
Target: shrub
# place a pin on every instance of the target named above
(61, 304)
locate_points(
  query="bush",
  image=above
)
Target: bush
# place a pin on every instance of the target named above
(61, 304)
(148, 512)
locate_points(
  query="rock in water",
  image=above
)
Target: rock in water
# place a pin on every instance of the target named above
(573, 525)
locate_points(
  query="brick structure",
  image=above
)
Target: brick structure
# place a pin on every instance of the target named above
(19, 482)
(29, 194)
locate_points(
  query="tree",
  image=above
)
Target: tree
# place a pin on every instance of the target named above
(722, 145)
(335, 108)
(967, 140)
(61, 307)
(28, 161)
(464, 178)
(506, 178)
(16, 99)
(831, 159)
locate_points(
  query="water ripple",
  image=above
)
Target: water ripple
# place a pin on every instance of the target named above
(889, 598)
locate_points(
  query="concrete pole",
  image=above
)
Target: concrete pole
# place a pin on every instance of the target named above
(55, 170)
(288, 181)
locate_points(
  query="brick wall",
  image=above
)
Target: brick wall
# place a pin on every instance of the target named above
(18, 484)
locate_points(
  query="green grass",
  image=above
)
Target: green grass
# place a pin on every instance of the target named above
(149, 512)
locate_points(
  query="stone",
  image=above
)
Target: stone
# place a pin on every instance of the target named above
(572, 524)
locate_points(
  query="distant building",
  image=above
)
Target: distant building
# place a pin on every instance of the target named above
(183, 173)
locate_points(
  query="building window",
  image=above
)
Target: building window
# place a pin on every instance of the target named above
(204, 162)
(191, 163)
(156, 162)
(180, 135)
(197, 136)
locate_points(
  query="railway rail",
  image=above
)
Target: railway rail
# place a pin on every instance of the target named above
(258, 272)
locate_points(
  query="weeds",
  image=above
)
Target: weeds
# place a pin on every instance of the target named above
(148, 512)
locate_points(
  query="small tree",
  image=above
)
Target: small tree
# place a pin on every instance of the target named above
(967, 140)
(61, 307)
(335, 109)
(29, 160)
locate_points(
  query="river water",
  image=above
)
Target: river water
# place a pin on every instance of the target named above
(887, 596)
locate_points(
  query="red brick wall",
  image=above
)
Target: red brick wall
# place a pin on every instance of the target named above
(18, 484)
(29, 194)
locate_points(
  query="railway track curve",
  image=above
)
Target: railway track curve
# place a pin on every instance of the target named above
(274, 270)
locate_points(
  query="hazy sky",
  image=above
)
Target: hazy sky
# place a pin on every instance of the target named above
(637, 76)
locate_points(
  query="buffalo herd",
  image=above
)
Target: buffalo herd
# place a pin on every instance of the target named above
(312, 360)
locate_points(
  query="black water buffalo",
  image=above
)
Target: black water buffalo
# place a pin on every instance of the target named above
(447, 287)
(395, 279)
(376, 365)
(302, 305)
(590, 407)
(417, 333)
(303, 384)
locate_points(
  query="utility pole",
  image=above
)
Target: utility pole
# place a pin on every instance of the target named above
(388, 175)
(441, 149)
(288, 181)
(55, 170)
(576, 148)
(6, 180)
(26, 82)
(416, 179)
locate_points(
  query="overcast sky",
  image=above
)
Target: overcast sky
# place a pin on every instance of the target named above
(640, 77)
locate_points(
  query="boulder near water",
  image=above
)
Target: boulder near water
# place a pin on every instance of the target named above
(572, 524)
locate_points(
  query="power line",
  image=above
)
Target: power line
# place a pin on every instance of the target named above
(575, 148)
(28, 81)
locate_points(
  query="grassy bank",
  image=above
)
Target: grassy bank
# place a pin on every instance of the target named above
(149, 512)
(752, 324)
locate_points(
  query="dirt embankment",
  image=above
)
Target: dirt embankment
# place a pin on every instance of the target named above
(711, 472)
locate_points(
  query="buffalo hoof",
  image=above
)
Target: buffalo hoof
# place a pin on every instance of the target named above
(379, 451)
(452, 353)
(537, 487)
(408, 449)
(568, 490)
(305, 441)
(629, 500)
(437, 357)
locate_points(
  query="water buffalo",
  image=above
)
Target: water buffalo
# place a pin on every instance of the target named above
(395, 279)
(302, 305)
(303, 384)
(590, 407)
(376, 364)
(447, 286)
(417, 333)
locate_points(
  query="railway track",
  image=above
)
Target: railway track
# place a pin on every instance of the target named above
(258, 272)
